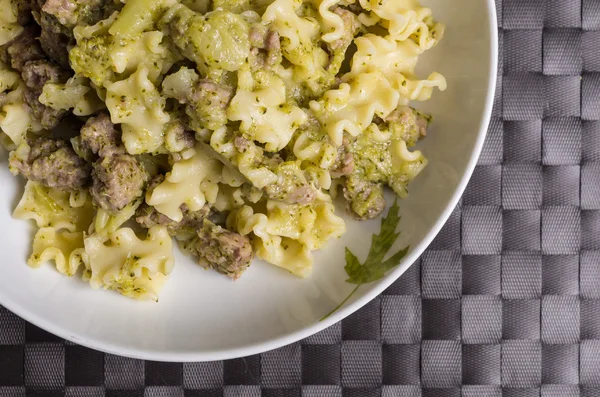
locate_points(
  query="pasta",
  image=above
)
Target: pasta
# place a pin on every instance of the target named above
(227, 125)
(352, 107)
(63, 247)
(192, 181)
(263, 109)
(75, 94)
(50, 207)
(9, 28)
(137, 105)
(131, 266)
(287, 234)
(15, 120)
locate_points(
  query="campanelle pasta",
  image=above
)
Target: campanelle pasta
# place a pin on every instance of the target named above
(228, 125)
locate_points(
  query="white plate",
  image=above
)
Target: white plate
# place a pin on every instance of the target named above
(203, 316)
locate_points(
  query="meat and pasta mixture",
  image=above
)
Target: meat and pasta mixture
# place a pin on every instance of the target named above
(225, 126)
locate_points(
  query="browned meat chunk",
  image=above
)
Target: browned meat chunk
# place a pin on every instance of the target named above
(65, 11)
(74, 12)
(226, 252)
(241, 143)
(100, 136)
(52, 163)
(23, 49)
(208, 102)
(408, 124)
(147, 216)
(292, 186)
(266, 47)
(302, 194)
(344, 163)
(35, 74)
(55, 45)
(218, 95)
(365, 199)
(117, 180)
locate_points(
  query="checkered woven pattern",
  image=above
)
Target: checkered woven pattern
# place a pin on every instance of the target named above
(506, 301)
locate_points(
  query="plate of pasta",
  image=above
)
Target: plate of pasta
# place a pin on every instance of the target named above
(194, 180)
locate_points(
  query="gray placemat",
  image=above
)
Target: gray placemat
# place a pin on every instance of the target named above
(506, 301)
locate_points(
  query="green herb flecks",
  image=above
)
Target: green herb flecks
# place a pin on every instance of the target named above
(374, 267)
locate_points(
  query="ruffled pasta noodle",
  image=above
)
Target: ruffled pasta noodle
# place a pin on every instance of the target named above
(351, 107)
(264, 114)
(106, 223)
(404, 19)
(50, 207)
(298, 34)
(75, 94)
(241, 120)
(9, 28)
(332, 24)
(136, 104)
(260, 176)
(147, 50)
(61, 246)
(193, 181)
(15, 119)
(127, 264)
(287, 234)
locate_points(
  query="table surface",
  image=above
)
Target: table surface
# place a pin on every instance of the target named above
(505, 302)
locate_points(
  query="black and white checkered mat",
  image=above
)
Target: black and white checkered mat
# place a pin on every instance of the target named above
(506, 301)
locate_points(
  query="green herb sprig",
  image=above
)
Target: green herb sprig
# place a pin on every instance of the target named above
(374, 267)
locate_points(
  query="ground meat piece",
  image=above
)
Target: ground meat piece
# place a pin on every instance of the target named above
(52, 163)
(35, 74)
(344, 163)
(218, 95)
(55, 45)
(266, 47)
(65, 11)
(291, 190)
(147, 216)
(241, 144)
(272, 41)
(23, 49)
(154, 182)
(408, 123)
(365, 199)
(207, 103)
(117, 180)
(226, 252)
(73, 12)
(177, 137)
(351, 25)
(303, 195)
(257, 35)
(100, 136)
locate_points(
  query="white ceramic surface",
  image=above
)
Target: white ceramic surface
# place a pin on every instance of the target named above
(203, 316)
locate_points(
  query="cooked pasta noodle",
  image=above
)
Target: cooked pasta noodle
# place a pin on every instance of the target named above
(229, 125)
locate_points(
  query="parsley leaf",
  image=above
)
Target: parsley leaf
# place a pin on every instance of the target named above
(374, 267)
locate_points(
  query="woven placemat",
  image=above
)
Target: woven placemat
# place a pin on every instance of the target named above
(505, 302)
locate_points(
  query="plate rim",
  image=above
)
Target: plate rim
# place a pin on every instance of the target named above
(311, 329)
